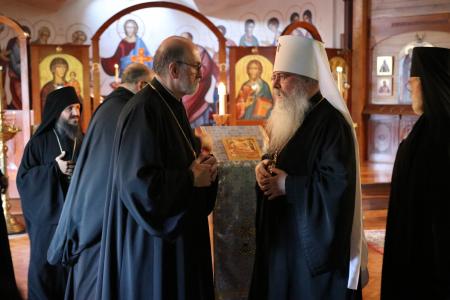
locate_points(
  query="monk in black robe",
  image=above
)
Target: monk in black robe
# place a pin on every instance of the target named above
(8, 285)
(416, 262)
(155, 239)
(306, 186)
(76, 242)
(42, 180)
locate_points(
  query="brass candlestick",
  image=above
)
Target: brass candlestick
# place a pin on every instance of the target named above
(221, 120)
(7, 132)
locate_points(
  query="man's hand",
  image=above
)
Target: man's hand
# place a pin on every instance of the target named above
(65, 166)
(201, 171)
(212, 161)
(261, 172)
(274, 186)
(206, 143)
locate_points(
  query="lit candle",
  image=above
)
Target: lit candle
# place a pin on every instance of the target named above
(116, 73)
(221, 90)
(339, 78)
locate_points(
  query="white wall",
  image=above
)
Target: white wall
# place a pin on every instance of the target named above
(156, 24)
(92, 14)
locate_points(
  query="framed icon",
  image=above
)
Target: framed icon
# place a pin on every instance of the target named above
(55, 66)
(384, 86)
(242, 148)
(250, 85)
(384, 65)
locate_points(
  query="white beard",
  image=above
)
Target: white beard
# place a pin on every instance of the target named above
(286, 117)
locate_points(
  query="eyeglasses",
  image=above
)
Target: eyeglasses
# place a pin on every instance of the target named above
(280, 76)
(197, 66)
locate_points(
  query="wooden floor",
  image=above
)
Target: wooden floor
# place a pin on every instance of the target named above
(373, 219)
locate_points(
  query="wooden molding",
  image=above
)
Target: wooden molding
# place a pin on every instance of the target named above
(383, 28)
(388, 109)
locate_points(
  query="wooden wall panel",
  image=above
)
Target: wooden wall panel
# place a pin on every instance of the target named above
(359, 69)
(397, 8)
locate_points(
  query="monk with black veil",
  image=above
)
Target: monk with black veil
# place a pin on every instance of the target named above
(43, 179)
(416, 263)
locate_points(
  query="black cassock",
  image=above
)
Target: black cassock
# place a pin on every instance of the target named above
(76, 242)
(416, 261)
(42, 189)
(303, 238)
(155, 240)
(8, 288)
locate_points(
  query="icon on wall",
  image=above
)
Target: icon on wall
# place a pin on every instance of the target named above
(384, 65)
(384, 86)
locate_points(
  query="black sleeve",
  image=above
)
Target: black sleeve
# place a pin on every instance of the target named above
(39, 186)
(324, 201)
(156, 196)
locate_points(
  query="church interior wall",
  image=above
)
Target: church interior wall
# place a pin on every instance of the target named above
(63, 20)
(157, 23)
(92, 14)
(391, 118)
(401, 8)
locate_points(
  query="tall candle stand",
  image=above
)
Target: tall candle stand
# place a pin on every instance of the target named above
(7, 132)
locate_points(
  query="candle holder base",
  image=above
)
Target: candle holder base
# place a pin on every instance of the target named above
(12, 225)
(221, 120)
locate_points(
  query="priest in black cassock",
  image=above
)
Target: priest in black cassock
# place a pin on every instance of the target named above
(155, 239)
(8, 287)
(309, 238)
(42, 180)
(76, 242)
(416, 261)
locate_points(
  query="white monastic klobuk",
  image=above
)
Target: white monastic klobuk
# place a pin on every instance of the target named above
(307, 57)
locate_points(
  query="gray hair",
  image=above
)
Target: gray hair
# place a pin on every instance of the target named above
(171, 50)
(135, 72)
(308, 81)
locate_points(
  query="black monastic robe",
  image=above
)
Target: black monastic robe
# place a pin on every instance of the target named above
(76, 242)
(155, 240)
(8, 288)
(42, 189)
(416, 261)
(303, 238)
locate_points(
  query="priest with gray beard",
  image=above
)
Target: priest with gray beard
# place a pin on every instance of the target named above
(42, 180)
(309, 237)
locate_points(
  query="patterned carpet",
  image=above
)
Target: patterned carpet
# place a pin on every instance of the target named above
(375, 239)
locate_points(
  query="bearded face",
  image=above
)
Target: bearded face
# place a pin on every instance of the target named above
(69, 121)
(291, 104)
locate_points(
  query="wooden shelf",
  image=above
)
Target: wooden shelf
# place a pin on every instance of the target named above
(375, 185)
(388, 109)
